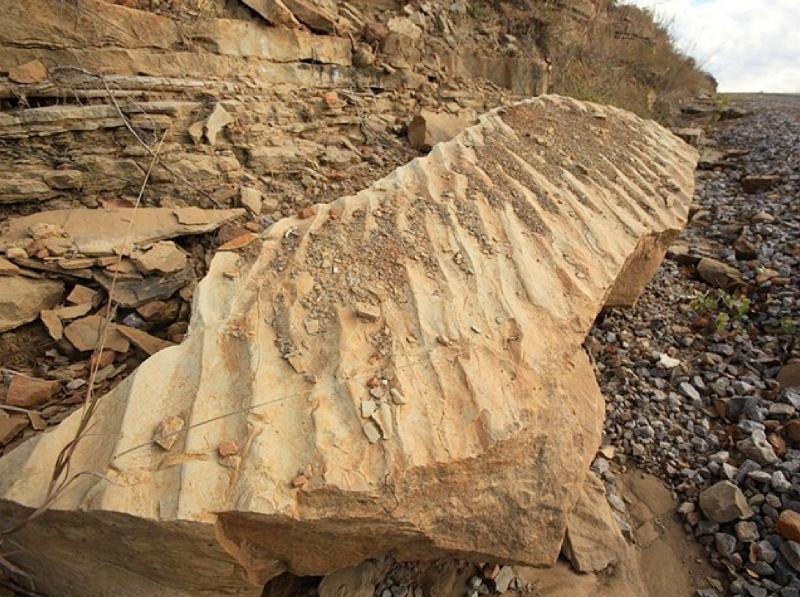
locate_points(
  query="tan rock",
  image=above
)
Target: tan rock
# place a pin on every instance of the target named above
(10, 426)
(102, 359)
(228, 448)
(16, 253)
(7, 268)
(30, 392)
(89, 332)
(429, 128)
(239, 242)
(234, 37)
(452, 471)
(216, 121)
(788, 525)
(274, 11)
(724, 502)
(148, 343)
(405, 27)
(368, 312)
(22, 299)
(251, 199)
(167, 432)
(82, 295)
(195, 131)
(593, 541)
(53, 324)
(316, 14)
(164, 257)
(78, 263)
(29, 73)
(157, 310)
(103, 231)
(73, 311)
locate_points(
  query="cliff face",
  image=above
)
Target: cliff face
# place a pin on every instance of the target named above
(603, 51)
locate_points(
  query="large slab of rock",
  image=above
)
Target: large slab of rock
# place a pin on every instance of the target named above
(399, 373)
(105, 231)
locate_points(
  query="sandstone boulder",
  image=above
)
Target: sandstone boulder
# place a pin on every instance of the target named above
(481, 267)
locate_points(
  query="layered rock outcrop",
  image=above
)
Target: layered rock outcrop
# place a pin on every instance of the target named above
(398, 372)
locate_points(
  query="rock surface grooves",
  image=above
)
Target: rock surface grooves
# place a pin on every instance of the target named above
(400, 372)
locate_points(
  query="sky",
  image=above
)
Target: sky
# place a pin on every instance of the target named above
(748, 45)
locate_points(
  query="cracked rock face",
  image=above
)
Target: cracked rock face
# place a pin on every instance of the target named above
(400, 371)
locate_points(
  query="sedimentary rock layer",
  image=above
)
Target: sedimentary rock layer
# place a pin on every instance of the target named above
(399, 372)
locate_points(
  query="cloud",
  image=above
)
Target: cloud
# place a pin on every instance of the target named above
(748, 45)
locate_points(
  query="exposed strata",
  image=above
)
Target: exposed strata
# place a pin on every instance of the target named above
(404, 365)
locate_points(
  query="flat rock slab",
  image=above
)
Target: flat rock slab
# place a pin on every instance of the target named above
(105, 231)
(480, 267)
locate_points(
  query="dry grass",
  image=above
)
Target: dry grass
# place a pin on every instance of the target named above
(629, 59)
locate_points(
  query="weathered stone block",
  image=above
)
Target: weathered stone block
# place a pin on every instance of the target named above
(488, 260)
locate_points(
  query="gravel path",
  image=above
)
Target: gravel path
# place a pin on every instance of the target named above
(691, 375)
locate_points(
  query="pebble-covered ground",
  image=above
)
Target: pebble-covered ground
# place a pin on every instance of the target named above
(702, 378)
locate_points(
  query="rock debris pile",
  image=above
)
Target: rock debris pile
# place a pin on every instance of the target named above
(702, 379)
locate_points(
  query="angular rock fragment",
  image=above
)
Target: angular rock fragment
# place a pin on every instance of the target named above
(30, 392)
(789, 525)
(7, 268)
(53, 324)
(166, 434)
(90, 332)
(216, 121)
(487, 457)
(22, 299)
(724, 502)
(593, 540)
(148, 343)
(162, 258)
(274, 11)
(314, 13)
(10, 426)
(80, 295)
(251, 199)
